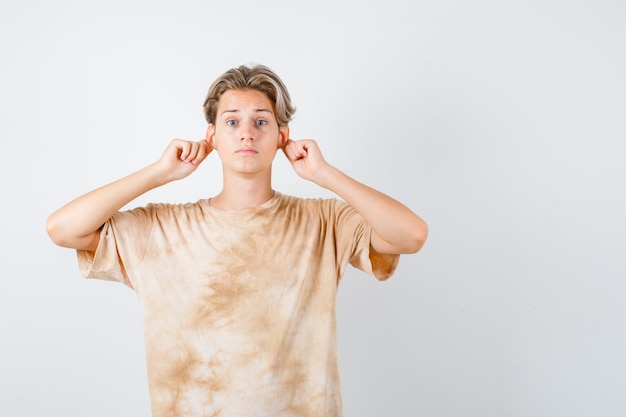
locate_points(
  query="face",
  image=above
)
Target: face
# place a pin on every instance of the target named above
(246, 134)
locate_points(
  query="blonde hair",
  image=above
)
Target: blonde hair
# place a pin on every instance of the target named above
(257, 77)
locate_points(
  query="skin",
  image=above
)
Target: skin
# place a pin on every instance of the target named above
(246, 136)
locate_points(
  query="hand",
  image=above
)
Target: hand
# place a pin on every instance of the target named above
(182, 157)
(305, 158)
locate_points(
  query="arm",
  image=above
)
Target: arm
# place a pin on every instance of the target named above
(77, 224)
(395, 228)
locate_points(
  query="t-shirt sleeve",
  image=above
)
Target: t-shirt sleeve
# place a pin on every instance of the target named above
(354, 236)
(122, 240)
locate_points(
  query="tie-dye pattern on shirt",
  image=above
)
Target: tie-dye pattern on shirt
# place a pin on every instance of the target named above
(238, 307)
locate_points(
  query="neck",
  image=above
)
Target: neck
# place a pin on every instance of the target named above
(242, 193)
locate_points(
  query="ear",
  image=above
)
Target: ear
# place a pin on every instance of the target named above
(210, 134)
(283, 131)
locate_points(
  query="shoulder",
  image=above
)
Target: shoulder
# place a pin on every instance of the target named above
(323, 206)
(163, 210)
(286, 200)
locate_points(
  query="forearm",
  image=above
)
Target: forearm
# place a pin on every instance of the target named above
(76, 224)
(396, 228)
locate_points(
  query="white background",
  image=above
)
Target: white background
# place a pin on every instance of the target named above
(501, 123)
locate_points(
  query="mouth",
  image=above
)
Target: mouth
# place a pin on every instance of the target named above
(246, 151)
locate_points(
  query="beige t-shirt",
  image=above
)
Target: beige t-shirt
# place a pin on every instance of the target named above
(238, 307)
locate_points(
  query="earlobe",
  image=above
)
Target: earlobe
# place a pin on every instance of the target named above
(283, 136)
(210, 134)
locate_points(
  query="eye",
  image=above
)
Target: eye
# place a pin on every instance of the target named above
(261, 122)
(231, 122)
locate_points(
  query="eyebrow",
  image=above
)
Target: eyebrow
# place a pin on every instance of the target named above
(260, 110)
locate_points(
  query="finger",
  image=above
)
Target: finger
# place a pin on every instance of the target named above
(193, 152)
(184, 149)
(201, 153)
(287, 149)
(206, 144)
(295, 150)
(195, 148)
(301, 150)
(288, 145)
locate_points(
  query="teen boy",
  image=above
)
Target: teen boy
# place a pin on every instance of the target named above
(238, 291)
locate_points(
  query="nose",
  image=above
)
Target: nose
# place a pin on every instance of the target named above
(247, 131)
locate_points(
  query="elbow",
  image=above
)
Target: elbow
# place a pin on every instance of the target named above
(63, 232)
(410, 238)
(52, 228)
(58, 232)
(418, 238)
